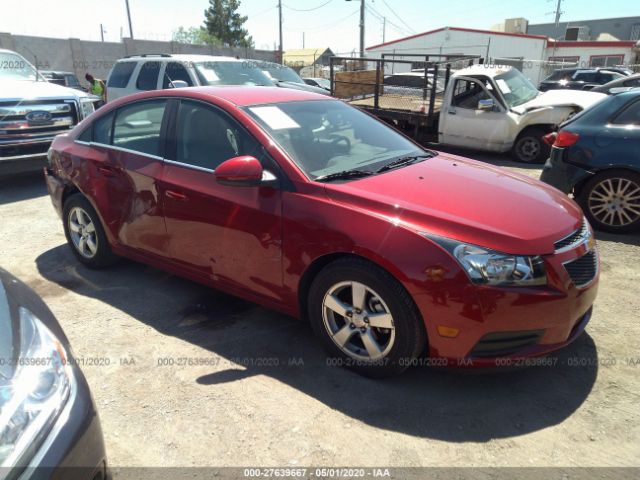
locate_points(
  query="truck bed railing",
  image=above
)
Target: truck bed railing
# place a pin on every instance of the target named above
(409, 90)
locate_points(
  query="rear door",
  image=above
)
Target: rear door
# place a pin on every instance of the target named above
(226, 234)
(134, 165)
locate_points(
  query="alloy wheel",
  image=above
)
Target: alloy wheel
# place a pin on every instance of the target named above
(615, 202)
(358, 321)
(83, 232)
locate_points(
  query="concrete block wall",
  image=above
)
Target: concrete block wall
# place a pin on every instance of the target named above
(97, 58)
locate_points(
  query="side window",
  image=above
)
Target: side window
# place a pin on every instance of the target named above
(137, 126)
(629, 116)
(86, 135)
(176, 71)
(148, 76)
(467, 94)
(120, 75)
(586, 77)
(634, 82)
(206, 137)
(102, 129)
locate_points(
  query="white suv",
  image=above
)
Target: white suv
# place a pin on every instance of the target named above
(139, 73)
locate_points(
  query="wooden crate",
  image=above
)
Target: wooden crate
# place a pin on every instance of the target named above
(353, 84)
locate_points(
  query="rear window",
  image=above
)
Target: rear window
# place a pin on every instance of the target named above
(102, 129)
(630, 115)
(120, 75)
(560, 75)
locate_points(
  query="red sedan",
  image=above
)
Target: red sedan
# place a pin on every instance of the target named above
(309, 206)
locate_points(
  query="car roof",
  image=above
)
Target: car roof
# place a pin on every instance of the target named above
(56, 72)
(240, 96)
(180, 57)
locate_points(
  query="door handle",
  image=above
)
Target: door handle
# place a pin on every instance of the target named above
(175, 195)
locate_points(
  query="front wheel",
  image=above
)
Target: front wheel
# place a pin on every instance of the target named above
(611, 201)
(530, 147)
(365, 319)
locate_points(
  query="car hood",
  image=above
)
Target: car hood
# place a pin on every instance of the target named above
(24, 89)
(561, 98)
(462, 199)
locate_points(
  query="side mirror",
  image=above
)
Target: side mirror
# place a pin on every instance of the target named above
(178, 84)
(243, 171)
(486, 105)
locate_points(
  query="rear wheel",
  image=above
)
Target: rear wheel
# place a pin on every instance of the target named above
(530, 147)
(611, 201)
(85, 234)
(365, 319)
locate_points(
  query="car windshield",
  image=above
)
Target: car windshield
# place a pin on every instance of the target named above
(323, 82)
(328, 136)
(231, 73)
(15, 67)
(516, 88)
(284, 74)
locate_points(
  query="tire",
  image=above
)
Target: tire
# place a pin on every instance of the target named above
(611, 201)
(385, 299)
(529, 147)
(85, 234)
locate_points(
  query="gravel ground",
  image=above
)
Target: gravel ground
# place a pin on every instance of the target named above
(261, 392)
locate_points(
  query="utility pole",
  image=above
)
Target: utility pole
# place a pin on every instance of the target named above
(102, 33)
(302, 39)
(129, 17)
(362, 10)
(362, 28)
(280, 23)
(384, 29)
(558, 14)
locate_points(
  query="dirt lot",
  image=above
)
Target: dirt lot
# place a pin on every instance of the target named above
(262, 393)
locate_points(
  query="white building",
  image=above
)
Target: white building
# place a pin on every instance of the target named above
(530, 53)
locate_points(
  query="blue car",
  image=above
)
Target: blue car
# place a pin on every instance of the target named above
(596, 156)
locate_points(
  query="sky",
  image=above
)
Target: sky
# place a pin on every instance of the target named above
(325, 23)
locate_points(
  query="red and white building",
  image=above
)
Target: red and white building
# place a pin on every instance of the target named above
(535, 55)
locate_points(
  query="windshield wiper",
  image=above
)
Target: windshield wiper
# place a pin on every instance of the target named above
(345, 174)
(403, 161)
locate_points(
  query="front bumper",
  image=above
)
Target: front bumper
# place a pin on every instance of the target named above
(498, 323)
(560, 174)
(74, 448)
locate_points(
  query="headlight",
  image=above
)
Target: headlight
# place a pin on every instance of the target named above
(86, 107)
(31, 398)
(485, 266)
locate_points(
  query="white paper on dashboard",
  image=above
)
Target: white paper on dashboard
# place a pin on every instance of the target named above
(275, 118)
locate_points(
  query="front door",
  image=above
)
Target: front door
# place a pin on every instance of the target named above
(226, 234)
(464, 124)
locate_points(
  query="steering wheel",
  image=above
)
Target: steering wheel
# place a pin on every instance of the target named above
(338, 139)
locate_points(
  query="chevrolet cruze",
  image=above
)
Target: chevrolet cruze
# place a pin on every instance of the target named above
(307, 205)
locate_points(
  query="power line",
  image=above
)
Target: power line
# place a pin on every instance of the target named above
(322, 27)
(382, 18)
(398, 17)
(308, 9)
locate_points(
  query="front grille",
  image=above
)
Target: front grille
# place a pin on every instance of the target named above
(13, 116)
(500, 344)
(584, 269)
(574, 238)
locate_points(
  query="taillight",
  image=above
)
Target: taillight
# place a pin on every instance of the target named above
(550, 138)
(566, 139)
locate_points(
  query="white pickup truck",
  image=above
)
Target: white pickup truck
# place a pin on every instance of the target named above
(32, 112)
(482, 107)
